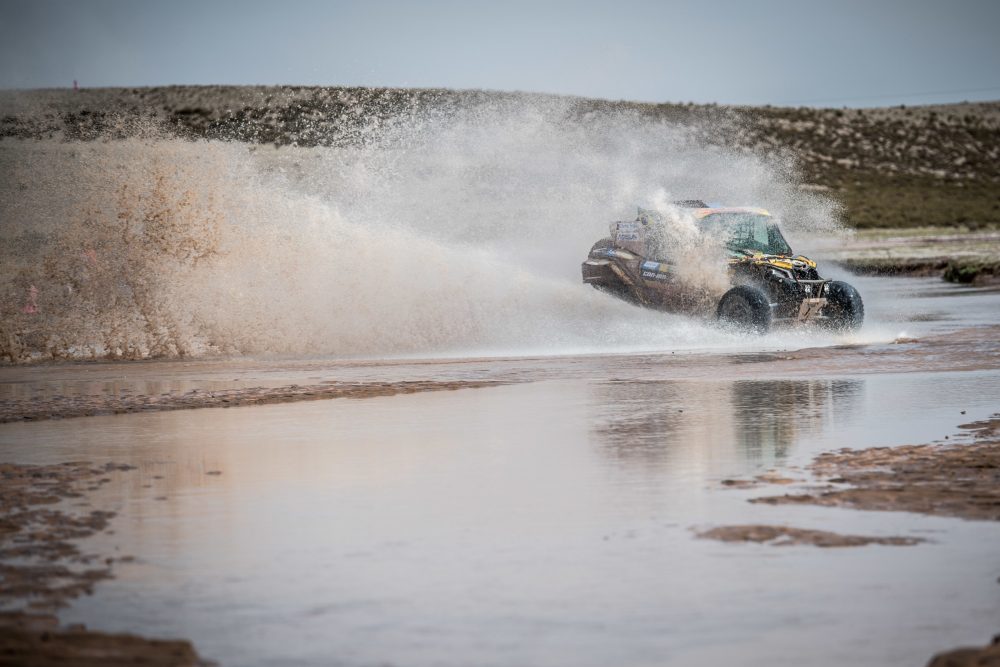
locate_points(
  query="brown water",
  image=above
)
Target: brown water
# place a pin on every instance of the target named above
(545, 522)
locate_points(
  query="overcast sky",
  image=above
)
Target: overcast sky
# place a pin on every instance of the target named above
(834, 53)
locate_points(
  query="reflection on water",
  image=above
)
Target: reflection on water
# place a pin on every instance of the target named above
(650, 422)
(544, 523)
(769, 416)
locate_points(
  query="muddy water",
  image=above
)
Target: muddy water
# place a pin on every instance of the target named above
(545, 522)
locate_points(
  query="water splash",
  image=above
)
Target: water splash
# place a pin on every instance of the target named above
(453, 235)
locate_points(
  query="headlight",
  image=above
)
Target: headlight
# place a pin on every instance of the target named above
(781, 274)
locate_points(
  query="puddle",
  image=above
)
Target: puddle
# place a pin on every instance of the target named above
(540, 523)
(545, 522)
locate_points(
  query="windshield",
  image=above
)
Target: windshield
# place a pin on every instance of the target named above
(747, 231)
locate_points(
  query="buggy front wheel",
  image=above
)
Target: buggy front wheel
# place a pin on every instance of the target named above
(745, 307)
(844, 309)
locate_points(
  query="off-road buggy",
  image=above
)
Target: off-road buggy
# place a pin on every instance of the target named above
(767, 285)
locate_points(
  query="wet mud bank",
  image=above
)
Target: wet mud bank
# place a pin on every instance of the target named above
(955, 254)
(44, 510)
(60, 406)
(38, 640)
(967, 271)
(961, 481)
(783, 536)
(52, 391)
(980, 656)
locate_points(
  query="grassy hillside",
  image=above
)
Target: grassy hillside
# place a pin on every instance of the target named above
(892, 167)
(899, 167)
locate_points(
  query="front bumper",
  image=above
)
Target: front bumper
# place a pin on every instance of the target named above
(798, 300)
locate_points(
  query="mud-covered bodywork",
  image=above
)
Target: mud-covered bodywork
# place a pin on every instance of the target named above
(765, 282)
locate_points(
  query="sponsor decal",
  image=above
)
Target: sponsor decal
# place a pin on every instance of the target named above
(648, 274)
(627, 231)
(658, 267)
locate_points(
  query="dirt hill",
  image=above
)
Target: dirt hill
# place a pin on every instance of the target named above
(891, 167)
